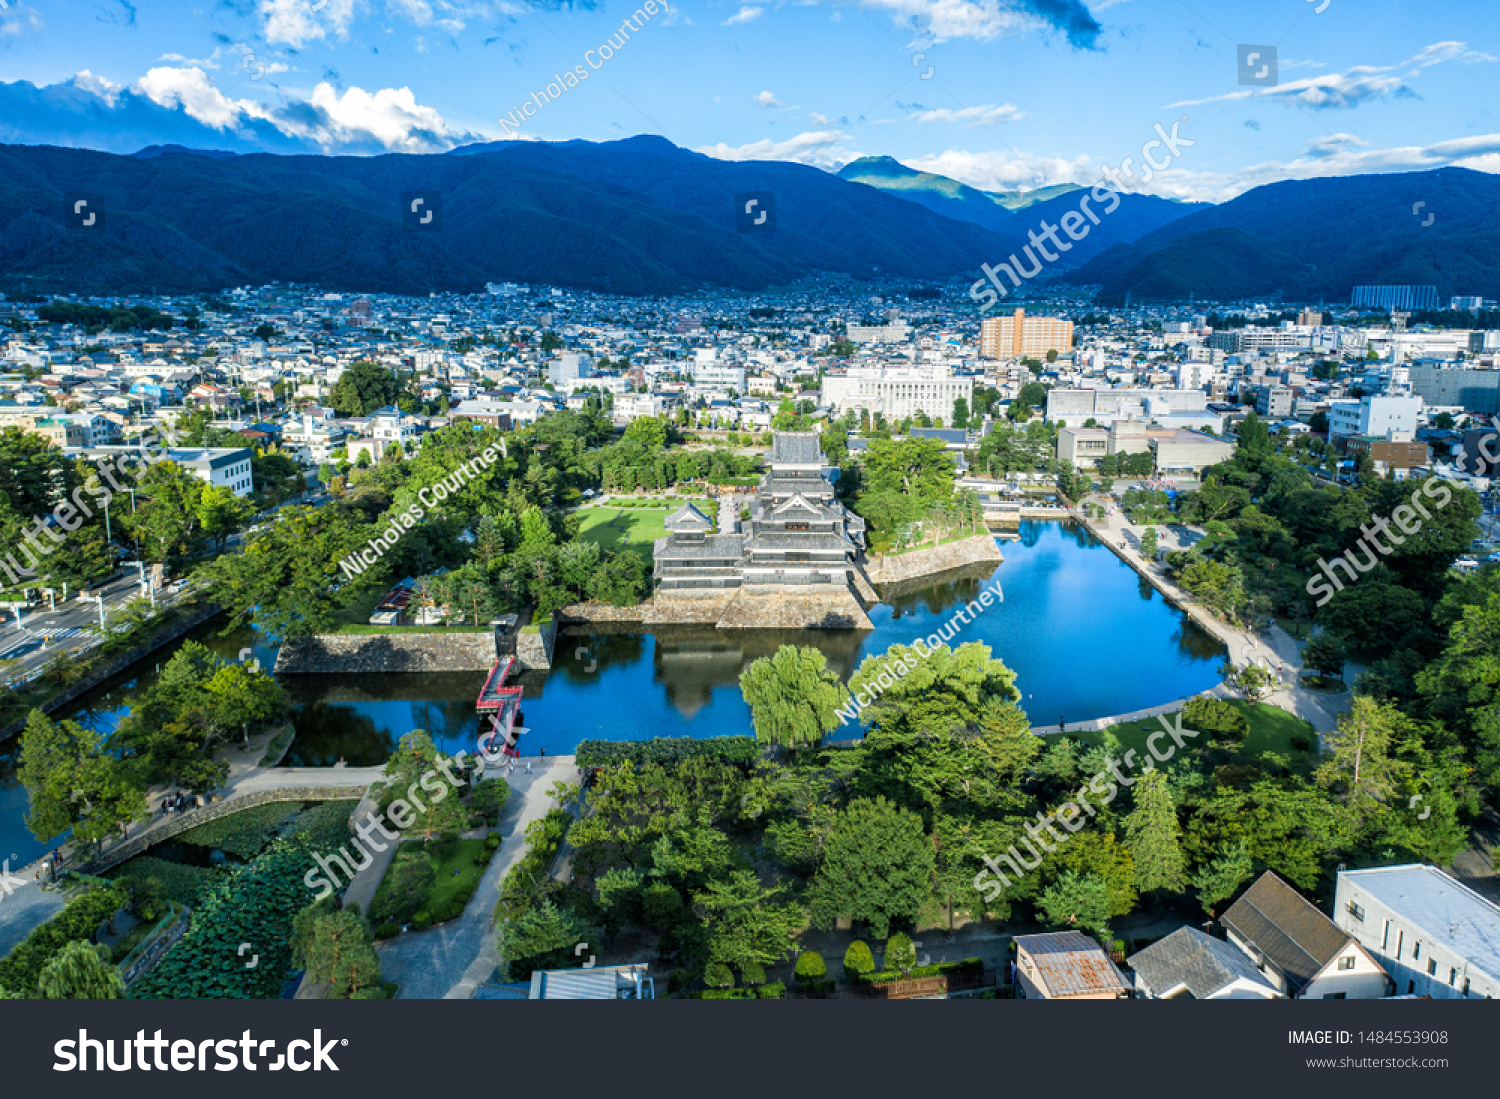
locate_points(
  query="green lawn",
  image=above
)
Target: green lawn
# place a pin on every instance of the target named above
(446, 884)
(1271, 730)
(620, 528)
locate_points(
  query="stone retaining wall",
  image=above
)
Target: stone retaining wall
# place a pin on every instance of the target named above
(387, 652)
(534, 648)
(889, 569)
(602, 612)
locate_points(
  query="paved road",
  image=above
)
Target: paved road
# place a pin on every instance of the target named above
(450, 961)
(53, 626)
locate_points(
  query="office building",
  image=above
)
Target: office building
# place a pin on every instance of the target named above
(897, 392)
(1393, 418)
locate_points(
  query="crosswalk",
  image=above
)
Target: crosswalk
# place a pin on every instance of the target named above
(28, 642)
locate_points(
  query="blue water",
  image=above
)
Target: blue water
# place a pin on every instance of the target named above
(1086, 637)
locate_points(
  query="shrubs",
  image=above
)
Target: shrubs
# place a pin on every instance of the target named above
(1216, 717)
(765, 992)
(666, 750)
(421, 920)
(489, 797)
(941, 969)
(810, 966)
(544, 837)
(20, 969)
(899, 953)
(858, 960)
(492, 841)
(753, 973)
(718, 975)
(1302, 742)
(386, 931)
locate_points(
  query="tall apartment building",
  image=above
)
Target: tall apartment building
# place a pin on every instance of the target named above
(897, 392)
(1020, 336)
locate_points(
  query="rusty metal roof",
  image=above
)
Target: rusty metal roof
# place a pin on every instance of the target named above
(1072, 964)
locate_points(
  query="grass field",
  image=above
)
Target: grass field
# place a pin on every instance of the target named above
(1271, 730)
(625, 528)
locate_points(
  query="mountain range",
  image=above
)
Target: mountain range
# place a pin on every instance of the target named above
(642, 216)
(1016, 213)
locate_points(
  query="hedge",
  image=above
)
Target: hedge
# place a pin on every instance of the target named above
(604, 753)
(20, 969)
(942, 969)
(765, 992)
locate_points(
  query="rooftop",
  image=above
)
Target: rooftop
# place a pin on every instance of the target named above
(1286, 928)
(1198, 964)
(1072, 964)
(1449, 911)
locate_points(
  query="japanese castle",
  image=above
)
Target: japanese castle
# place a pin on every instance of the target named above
(797, 533)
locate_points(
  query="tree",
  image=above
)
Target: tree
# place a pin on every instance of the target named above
(72, 781)
(794, 698)
(78, 972)
(236, 696)
(335, 945)
(1077, 900)
(1360, 753)
(166, 522)
(648, 431)
(1220, 878)
(1326, 654)
(1149, 545)
(960, 412)
(222, 513)
(744, 923)
(1254, 439)
(543, 936)
(877, 867)
(1152, 834)
(365, 387)
(1252, 682)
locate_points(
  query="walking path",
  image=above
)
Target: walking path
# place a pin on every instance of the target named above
(450, 961)
(1273, 649)
(30, 905)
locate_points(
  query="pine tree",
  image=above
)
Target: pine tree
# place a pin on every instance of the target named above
(1152, 835)
(79, 973)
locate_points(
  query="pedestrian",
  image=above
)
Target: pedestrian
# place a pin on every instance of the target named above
(528, 766)
(543, 753)
(1061, 726)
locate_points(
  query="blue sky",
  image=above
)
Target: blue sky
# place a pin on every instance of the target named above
(1000, 94)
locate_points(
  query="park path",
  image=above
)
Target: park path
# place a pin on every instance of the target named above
(450, 961)
(1273, 649)
(26, 907)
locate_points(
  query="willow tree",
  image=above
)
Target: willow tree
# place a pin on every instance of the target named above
(794, 698)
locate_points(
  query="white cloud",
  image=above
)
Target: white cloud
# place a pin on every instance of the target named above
(296, 22)
(974, 116)
(390, 118)
(15, 22)
(986, 20)
(101, 86)
(767, 99)
(745, 15)
(1005, 171)
(194, 92)
(819, 148)
(1360, 84)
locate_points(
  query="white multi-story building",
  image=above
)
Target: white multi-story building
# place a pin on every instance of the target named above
(571, 366)
(1435, 936)
(717, 376)
(897, 392)
(1393, 418)
(221, 467)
